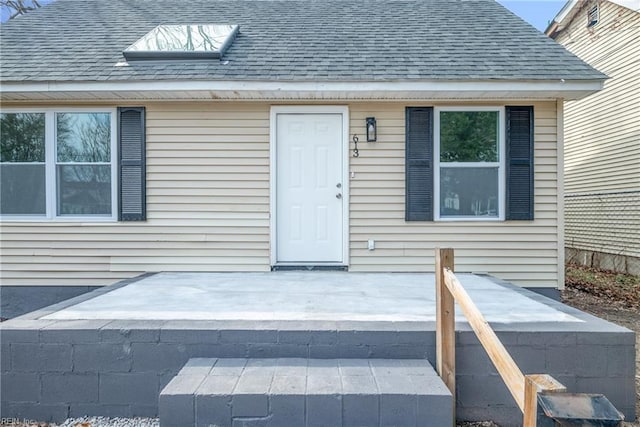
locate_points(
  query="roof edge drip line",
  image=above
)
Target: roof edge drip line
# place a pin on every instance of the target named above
(555, 89)
(240, 85)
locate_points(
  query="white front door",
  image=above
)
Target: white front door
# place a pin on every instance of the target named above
(309, 188)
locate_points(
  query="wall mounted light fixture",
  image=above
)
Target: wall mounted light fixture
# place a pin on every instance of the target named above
(372, 131)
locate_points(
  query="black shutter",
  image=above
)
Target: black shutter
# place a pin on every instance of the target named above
(419, 164)
(519, 163)
(131, 164)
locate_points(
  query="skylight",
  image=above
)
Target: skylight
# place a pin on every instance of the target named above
(182, 42)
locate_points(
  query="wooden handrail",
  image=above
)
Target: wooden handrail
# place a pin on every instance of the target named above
(502, 360)
(523, 388)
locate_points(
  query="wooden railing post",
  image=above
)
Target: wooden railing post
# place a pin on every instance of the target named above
(449, 290)
(445, 324)
(534, 384)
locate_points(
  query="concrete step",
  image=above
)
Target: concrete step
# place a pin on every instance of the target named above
(305, 392)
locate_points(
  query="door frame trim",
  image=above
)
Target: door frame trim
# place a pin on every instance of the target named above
(308, 109)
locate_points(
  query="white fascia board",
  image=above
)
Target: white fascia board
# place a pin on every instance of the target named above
(569, 89)
(564, 12)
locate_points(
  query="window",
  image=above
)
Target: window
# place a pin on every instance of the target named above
(22, 164)
(83, 163)
(592, 16)
(468, 153)
(58, 164)
(469, 163)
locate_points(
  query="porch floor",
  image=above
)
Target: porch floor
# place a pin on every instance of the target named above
(298, 295)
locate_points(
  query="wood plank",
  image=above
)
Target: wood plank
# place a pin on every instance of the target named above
(500, 357)
(533, 385)
(445, 323)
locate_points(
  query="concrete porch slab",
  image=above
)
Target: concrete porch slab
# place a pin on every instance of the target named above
(286, 296)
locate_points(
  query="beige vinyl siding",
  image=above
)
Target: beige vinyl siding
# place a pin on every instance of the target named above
(602, 135)
(607, 223)
(520, 251)
(602, 131)
(208, 207)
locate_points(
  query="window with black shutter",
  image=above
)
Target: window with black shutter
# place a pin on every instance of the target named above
(469, 163)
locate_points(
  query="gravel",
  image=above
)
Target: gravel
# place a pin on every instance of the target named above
(111, 422)
(154, 422)
(478, 424)
(86, 422)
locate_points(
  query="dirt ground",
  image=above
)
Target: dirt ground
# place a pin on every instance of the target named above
(614, 311)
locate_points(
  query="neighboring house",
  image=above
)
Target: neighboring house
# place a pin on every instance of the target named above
(602, 136)
(115, 165)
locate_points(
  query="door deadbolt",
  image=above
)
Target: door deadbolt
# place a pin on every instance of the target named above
(338, 185)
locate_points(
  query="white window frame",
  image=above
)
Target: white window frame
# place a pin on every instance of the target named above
(50, 166)
(500, 164)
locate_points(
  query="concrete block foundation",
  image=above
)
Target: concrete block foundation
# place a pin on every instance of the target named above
(604, 261)
(53, 369)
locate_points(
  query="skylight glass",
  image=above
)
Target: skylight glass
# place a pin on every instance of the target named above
(183, 42)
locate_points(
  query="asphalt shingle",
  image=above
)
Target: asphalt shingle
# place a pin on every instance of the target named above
(289, 40)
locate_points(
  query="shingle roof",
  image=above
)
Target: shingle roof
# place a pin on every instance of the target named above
(289, 40)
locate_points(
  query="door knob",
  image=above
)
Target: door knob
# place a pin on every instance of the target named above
(339, 196)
